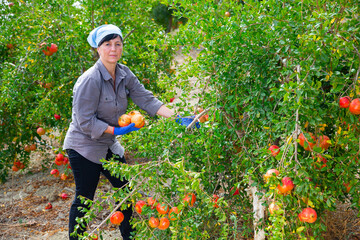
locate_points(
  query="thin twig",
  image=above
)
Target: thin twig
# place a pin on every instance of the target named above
(197, 118)
(227, 118)
(31, 223)
(22, 61)
(286, 149)
(127, 35)
(297, 116)
(202, 93)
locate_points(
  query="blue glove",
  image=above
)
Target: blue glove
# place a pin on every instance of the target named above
(185, 121)
(125, 130)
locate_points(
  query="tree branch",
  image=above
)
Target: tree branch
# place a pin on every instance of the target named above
(129, 33)
(197, 118)
(297, 116)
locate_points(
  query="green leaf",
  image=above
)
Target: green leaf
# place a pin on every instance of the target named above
(300, 229)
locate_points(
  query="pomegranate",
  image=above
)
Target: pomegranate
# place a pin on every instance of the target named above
(54, 172)
(273, 207)
(190, 198)
(269, 173)
(117, 218)
(274, 150)
(215, 198)
(307, 144)
(133, 112)
(164, 223)
(354, 107)
(308, 215)
(124, 120)
(323, 142)
(173, 212)
(139, 120)
(286, 187)
(344, 102)
(154, 222)
(40, 131)
(139, 205)
(162, 208)
(53, 48)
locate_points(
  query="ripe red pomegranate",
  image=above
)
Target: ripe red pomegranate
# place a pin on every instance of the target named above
(354, 107)
(215, 198)
(308, 215)
(269, 173)
(55, 172)
(274, 150)
(344, 102)
(154, 222)
(48, 206)
(307, 143)
(40, 131)
(53, 48)
(323, 142)
(139, 205)
(286, 187)
(190, 199)
(117, 218)
(64, 196)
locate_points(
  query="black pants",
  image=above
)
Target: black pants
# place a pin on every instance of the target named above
(87, 174)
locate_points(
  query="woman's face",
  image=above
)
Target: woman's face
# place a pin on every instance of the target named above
(110, 51)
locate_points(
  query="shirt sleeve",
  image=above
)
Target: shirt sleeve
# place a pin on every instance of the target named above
(140, 96)
(85, 104)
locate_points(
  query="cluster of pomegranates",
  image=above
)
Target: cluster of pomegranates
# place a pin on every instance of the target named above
(132, 117)
(307, 215)
(352, 105)
(60, 159)
(286, 182)
(49, 50)
(17, 165)
(308, 141)
(164, 214)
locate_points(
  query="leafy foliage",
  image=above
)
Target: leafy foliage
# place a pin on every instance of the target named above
(34, 87)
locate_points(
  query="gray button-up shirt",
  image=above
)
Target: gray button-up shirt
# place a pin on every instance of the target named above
(96, 105)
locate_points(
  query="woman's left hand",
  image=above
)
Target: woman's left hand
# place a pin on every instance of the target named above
(185, 121)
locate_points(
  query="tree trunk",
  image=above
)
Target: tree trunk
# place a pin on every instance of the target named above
(258, 210)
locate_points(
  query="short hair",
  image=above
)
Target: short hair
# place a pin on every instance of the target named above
(109, 37)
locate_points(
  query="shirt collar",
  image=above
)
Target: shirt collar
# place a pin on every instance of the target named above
(120, 74)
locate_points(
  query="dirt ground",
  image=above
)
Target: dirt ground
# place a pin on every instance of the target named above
(25, 195)
(22, 206)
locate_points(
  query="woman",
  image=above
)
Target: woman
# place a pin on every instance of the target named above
(99, 98)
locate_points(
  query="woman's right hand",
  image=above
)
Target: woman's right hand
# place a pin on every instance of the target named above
(124, 130)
